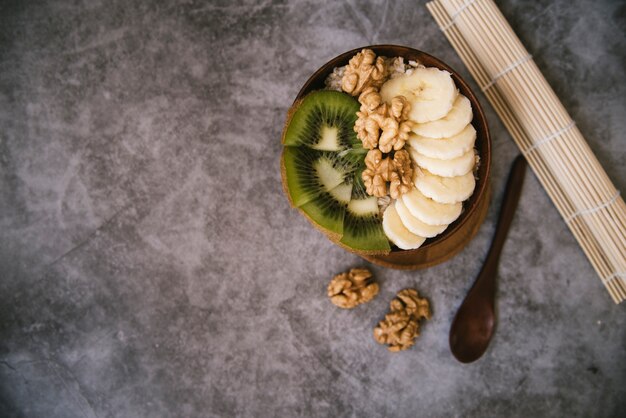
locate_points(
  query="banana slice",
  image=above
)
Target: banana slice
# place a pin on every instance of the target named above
(430, 91)
(397, 232)
(416, 226)
(445, 189)
(429, 211)
(444, 148)
(445, 168)
(449, 125)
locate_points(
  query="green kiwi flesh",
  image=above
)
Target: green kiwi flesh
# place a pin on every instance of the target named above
(329, 207)
(362, 226)
(323, 161)
(324, 121)
(310, 172)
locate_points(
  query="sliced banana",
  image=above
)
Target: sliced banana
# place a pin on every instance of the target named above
(445, 189)
(416, 226)
(430, 91)
(429, 211)
(445, 168)
(450, 124)
(397, 232)
(444, 148)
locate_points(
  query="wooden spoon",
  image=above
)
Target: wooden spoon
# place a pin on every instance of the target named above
(475, 321)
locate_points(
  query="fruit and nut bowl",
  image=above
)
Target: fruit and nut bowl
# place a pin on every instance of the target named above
(387, 151)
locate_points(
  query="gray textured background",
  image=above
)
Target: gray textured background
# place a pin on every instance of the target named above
(151, 266)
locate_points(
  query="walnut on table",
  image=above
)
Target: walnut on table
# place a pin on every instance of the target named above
(400, 327)
(347, 290)
(363, 70)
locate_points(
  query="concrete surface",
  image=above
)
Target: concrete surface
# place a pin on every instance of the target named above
(151, 266)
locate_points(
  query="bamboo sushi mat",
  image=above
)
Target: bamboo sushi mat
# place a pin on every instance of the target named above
(544, 132)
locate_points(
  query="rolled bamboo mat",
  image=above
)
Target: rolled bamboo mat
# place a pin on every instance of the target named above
(541, 127)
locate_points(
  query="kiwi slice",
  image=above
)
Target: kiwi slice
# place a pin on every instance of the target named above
(324, 121)
(310, 172)
(362, 226)
(322, 164)
(329, 207)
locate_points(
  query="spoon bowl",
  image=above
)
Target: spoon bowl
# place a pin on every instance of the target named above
(472, 328)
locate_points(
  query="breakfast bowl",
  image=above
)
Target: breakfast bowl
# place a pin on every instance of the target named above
(430, 251)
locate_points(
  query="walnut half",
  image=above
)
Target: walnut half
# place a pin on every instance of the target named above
(398, 171)
(350, 289)
(381, 125)
(395, 126)
(363, 70)
(377, 173)
(400, 327)
(401, 181)
(368, 123)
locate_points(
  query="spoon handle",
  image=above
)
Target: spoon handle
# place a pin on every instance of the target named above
(474, 322)
(509, 204)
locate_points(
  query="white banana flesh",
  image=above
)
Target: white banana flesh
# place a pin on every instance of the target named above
(430, 91)
(450, 124)
(397, 232)
(446, 168)
(430, 212)
(416, 226)
(444, 148)
(445, 189)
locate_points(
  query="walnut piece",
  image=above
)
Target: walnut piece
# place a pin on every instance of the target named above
(374, 117)
(396, 126)
(381, 127)
(370, 98)
(367, 125)
(350, 289)
(400, 108)
(409, 300)
(376, 173)
(400, 327)
(363, 70)
(398, 171)
(401, 181)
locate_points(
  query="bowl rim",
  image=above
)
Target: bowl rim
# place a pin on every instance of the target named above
(482, 184)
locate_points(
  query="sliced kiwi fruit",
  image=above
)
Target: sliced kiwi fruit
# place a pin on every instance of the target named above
(322, 165)
(324, 121)
(310, 172)
(362, 226)
(329, 207)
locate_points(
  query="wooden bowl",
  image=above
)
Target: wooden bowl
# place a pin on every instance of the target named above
(444, 246)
